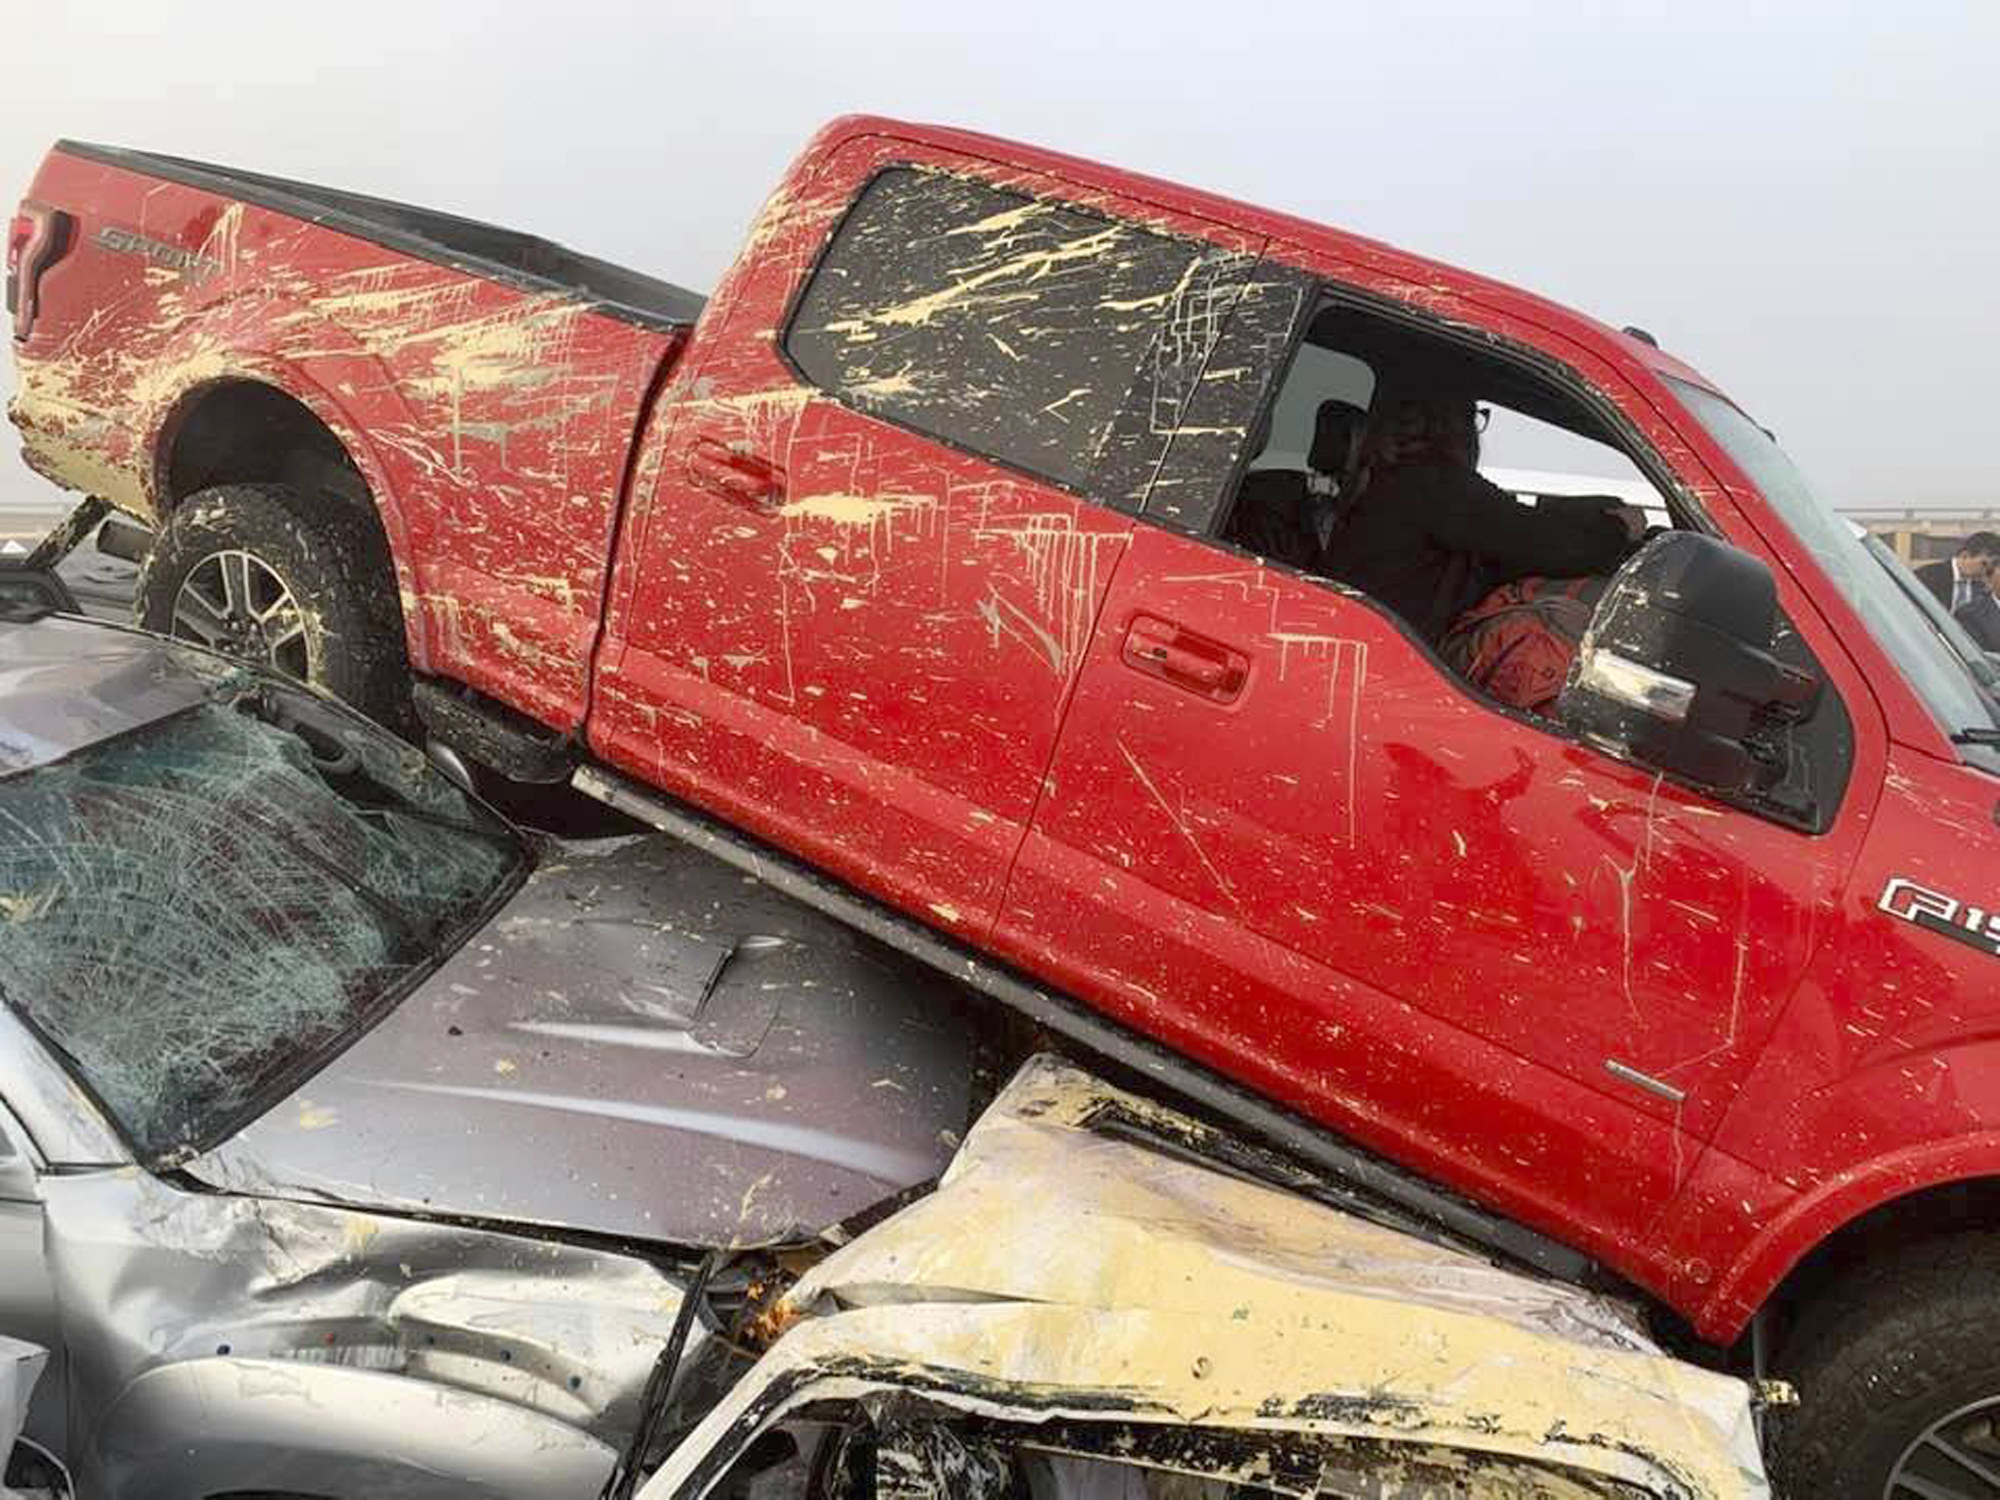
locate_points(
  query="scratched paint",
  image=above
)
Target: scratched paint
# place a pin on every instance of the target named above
(495, 428)
(892, 634)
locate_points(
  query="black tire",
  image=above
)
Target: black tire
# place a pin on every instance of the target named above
(1898, 1356)
(342, 631)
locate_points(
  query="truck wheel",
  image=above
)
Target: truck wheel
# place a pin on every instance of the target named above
(1898, 1374)
(254, 570)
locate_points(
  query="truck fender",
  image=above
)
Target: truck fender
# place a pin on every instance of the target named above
(1822, 1211)
(201, 1427)
(230, 340)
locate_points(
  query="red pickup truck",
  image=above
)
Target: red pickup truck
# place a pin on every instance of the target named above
(913, 567)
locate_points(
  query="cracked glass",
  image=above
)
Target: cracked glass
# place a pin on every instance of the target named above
(195, 911)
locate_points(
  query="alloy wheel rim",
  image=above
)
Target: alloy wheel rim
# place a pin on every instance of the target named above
(1956, 1458)
(236, 603)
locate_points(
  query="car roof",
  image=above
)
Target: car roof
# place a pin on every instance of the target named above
(67, 683)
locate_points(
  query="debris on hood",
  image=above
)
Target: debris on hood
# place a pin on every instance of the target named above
(643, 1044)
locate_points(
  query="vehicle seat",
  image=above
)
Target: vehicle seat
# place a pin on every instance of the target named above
(1337, 429)
(1278, 511)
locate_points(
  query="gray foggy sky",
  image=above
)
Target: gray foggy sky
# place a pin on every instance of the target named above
(1798, 198)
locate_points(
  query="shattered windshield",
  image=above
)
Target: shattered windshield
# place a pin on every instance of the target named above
(194, 911)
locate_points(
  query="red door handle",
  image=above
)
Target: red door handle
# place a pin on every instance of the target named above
(1162, 649)
(742, 478)
(1196, 671)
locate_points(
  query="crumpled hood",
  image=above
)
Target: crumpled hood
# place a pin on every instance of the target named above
(643, 1043)
(1080, 1248)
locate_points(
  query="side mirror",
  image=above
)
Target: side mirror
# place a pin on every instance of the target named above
(1676, 671)
(29, 593)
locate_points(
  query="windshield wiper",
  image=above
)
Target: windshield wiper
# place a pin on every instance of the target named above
(1976, 735)
(322, 730)
(651, 1422)
(494, 833)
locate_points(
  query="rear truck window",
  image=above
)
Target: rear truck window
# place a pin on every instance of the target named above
(1012, 327)
(194, 911)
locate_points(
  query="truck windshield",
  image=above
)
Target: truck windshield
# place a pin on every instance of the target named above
(198, 911)
(1934, 653)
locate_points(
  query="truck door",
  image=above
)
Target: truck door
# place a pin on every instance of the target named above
(1306, 851)
(887, 503)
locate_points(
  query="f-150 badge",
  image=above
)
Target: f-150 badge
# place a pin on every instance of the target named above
(1945, 915)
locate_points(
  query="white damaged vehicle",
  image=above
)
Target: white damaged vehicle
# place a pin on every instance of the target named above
(1101, 1301)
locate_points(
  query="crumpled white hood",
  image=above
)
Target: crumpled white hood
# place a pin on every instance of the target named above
(1189, 1290)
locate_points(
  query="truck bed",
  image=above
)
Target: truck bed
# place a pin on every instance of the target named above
(509, 255)
(478, 389)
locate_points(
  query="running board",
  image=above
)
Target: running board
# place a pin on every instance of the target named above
(491, 733)
(1274, 1125)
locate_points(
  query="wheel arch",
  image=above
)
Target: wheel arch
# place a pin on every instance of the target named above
(1924, 1192)
(258, 423)
(246, 359)
(237, 429)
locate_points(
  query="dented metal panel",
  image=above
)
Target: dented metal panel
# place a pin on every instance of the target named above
(1063, 1276)
(642, 1043)
(215, 1338)
(486, 1120)
(1168, 1231)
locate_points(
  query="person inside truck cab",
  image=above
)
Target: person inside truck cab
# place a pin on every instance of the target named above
(1424, 533)
(1980, 614)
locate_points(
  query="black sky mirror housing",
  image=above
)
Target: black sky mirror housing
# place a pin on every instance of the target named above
(1676, 671)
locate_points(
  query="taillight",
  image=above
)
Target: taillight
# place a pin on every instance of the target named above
(18, 234)
(36, 240)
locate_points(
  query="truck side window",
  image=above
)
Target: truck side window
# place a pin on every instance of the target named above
(1295, 424)
(1019, 329)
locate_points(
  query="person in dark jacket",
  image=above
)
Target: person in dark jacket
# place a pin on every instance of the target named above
(1960, 580)
(1426, 535)
(1981, 615)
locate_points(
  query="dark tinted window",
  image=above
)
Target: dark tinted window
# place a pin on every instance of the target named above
(1219, 420)
(1016, 328)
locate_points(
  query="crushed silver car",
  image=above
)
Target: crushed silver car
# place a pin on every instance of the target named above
(353, 1143)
